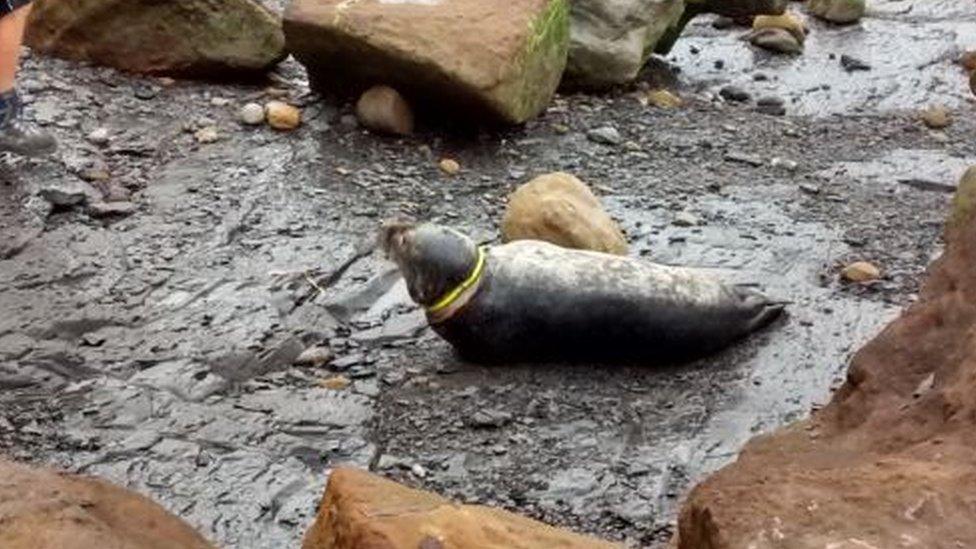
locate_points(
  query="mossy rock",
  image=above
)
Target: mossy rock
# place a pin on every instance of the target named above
(179, 37)
(486, 61)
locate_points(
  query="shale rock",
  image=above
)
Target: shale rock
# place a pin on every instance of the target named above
(500, 61)
(44, 509)
(183, 37)
(777, 40)
(361, 510)
(889, 462)
(561, 209)
(838, 11)
(611, 41)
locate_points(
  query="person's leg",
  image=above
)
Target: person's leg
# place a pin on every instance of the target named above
(16, 135)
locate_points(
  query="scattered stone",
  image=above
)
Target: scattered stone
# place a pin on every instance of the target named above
(449, 166)
(70, 194)
(489, 419)
(750, 159)
(220, 101)
(561, 209)
(685, 219)
(362, 510)
(936, 117)
(508, 74)
(178, 37)
(610, 42)
(282, 116)
(853, 64)
(788, 21)
(315, 356)
(145, 92)
(51, 509)
(841, 12)
(207, 135)
(99, 136)
(771, 105)
(418, 471)
(111, 209)
(776, 40)
(734, 94)
(336, 383)
(252, 114)
(861, 272)
(723, 23)
(606, 135)
(383, 110)
(778, 162)
(809, 189)
(662, 99)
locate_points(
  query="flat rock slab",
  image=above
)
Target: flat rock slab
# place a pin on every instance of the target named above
(193, 37)
(364, 510)
(495, 60)
(46, 510)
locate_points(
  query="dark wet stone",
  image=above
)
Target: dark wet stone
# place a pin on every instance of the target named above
(853, 64)
(348, 361)
(111, 209)
(743, 158)
(145, 92)
(734, 94)
(722, 22)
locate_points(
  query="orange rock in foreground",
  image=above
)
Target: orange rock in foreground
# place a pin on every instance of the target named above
(364, 511)
(890, 462)
(41, 509)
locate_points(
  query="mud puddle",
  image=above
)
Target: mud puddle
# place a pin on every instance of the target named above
(911, 48)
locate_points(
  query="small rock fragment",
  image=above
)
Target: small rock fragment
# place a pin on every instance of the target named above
(685, 219)
(853, 64)
(860, 272)
(838, 11)
(734, 94)
(252, 114)
(315, 356)
(207, 135)
(663, 99)
(99, 136)
(776, 40)
(111, 209)
(606, 135)
(335, 383)
(383, 110)
(936, 117)
(771, 105)
(788, 21)
(489, 419)
(449, 166)
(282, 116)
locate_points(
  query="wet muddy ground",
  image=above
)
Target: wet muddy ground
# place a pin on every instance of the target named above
(157, 349)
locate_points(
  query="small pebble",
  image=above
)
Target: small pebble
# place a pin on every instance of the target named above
(335, 383)
(207, 135)
(99, 136)
(449, 166)
(252, 114)
(734, 94)
(282, 116)
(860, 272)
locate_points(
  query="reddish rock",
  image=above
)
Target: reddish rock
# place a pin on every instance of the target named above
(364, 511)
(193, 37)
(41, 509)
(890, 462)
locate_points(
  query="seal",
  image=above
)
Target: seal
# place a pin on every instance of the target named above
(534, 301)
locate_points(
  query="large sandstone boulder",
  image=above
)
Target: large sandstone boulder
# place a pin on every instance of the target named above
(180, 37)
(42, 509)
(890, 462)
(611, 41)
(363, 511)
(561, 209)
(496, 60)
(838, 11)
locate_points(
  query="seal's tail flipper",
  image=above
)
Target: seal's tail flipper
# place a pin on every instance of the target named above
(762, 309)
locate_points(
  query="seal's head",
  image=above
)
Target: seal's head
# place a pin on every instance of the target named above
(434, 260)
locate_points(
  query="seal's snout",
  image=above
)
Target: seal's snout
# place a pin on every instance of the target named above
(393, 238)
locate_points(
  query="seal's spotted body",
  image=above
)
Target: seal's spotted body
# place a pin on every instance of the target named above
(538, 301)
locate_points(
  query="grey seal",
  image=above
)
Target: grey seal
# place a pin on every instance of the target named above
(534, 301)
